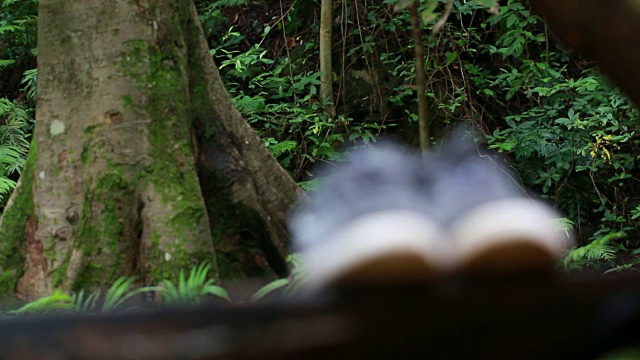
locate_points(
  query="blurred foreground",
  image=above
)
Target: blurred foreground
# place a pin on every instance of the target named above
(520, 316)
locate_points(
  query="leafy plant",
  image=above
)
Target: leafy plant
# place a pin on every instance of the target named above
(15, 125)
(193, 289)
(279, 100)
(290, 284)
(29, 81)
(56, 302)
(599, 249)
(115, 297)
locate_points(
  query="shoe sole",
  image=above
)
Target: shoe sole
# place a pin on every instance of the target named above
(509, 235)
(393, 246)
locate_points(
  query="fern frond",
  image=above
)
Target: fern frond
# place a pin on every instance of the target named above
(29, 80)
(5, 63)
(564, 224)
(6, 186)
(600, 249)
(311, 185)
(282, 147)
(11, 159)
(8, 28)
(229, 3)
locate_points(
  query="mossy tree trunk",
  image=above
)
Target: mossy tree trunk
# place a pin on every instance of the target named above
(140, 164)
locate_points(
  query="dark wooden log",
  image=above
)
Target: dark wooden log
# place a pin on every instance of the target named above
(526, 316)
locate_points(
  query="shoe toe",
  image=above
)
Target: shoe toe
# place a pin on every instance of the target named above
(516, 234)
(393, 246)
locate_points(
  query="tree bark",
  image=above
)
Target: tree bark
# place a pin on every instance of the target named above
(421, 80)
(326, 66)
(247, 192)
(131, 120)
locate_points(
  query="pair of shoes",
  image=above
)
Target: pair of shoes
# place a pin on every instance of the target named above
(387, 218)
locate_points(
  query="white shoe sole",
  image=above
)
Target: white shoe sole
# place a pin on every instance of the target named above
(392, 246)
(514, 234)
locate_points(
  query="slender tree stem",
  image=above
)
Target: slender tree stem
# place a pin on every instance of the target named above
(423, 119)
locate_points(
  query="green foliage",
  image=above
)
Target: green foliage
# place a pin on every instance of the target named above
(29, 81)
(566, 131)
(572, 135)
(17, 39)
(17, 31)
(59, 302)
(85, 303)
(192, 290)
(599, 249)
(565, 225)
(15, 125)
(310, 185)
(4, 63)
(269, 288)
(290, 284)
(279, 99)
(9, 161)
(121, 291)
(56, 302)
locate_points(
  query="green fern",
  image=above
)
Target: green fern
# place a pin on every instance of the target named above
(11, 159)
(229, 3)
(565, 225)
(311, 185)
(5, 63)
(8, 28)
(15, 125)
(282, 147)
(6, 187)
(29, 79)
(600, 249)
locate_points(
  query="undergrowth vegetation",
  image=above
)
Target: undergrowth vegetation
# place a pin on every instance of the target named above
(17, 89)
(567, 132)
(193, 289)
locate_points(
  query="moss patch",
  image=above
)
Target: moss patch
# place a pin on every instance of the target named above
(159, 70)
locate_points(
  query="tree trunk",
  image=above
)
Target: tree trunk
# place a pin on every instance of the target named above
(421, 80)
(247, 192)
(131, 119)
(326, 66)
